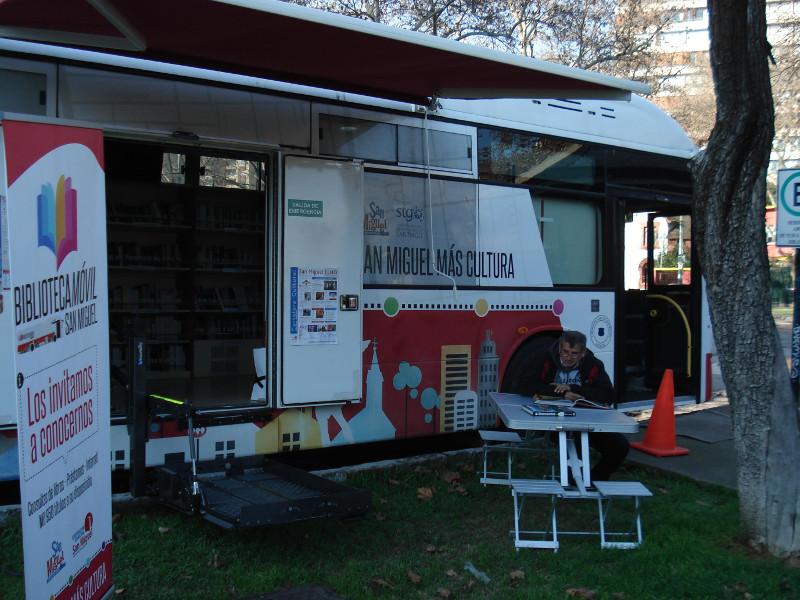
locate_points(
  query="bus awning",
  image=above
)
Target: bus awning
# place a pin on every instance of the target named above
(285, 42)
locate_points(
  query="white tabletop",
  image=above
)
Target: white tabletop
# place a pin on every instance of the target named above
(509, 407)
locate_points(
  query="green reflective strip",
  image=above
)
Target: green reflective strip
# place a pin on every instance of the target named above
(166, 399)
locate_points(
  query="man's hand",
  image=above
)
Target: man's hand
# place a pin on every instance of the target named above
(572, 396)
(561, 388)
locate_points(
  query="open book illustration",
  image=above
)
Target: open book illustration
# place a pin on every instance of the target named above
(556, 401)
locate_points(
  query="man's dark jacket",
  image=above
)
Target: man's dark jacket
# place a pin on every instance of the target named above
(596, 385)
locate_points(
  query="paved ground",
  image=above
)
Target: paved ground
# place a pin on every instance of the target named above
(707, 435)
(705, 430)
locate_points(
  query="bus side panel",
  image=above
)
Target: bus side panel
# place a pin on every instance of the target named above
(427, 370)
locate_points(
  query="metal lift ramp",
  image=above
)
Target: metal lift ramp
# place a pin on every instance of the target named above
(274, 494)
(233, 492)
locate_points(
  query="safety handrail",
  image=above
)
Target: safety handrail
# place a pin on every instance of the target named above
(685, 324)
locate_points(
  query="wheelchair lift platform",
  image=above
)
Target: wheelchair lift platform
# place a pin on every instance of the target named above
(227, 491)
(274, 494)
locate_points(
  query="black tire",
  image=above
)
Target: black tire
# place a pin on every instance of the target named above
(520, 364)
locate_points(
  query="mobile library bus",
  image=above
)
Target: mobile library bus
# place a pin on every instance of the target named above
(353, 250)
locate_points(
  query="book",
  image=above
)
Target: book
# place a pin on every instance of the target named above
(579, 403)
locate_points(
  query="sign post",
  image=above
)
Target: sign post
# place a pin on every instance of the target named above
(55, 206)
(788, 234)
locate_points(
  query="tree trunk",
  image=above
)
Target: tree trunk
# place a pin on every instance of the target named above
(730, 193)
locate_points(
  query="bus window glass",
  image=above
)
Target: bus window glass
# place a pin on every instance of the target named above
(23, 92)
(397, 230)
(672, 250)
(165, 106)
(173, 168)
(357, 138)
(521, 158)
(221, 172)
(643, 170)
(447, 150)
(572, 240)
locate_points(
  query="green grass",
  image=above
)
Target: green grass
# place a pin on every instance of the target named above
(693, 548)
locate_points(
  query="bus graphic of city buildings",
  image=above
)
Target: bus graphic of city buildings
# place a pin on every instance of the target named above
(38, 336)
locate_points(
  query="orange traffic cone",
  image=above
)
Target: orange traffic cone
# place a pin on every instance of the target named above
(659, 440)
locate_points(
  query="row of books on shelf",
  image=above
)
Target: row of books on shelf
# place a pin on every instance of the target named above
(172, 330)
(232, 297)
(229, 217)
(173, 214)
(227, 257)
(133, 254)
(169, 255)
(158, 358)
(146, 213)
(145, 296)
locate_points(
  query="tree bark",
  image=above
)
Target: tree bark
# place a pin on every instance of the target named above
(730, 193)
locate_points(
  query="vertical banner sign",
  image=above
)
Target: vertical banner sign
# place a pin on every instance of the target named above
(55, 205)
(787, 233)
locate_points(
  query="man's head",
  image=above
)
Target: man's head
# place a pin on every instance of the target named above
(571, 348)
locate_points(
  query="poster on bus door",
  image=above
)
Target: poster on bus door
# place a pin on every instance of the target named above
(55, 208)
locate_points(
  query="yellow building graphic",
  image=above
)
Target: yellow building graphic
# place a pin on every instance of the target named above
(456, 377)
(294, 429)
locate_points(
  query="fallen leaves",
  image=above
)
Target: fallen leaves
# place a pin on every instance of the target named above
(460, 490)
(443, 593)
(424, 494)
(163, 530)
(516, 575)
(584, 593)
(382, 583)
(380, 516)
(413, 577)
(431, 549)
(451, 573)
(451, 477)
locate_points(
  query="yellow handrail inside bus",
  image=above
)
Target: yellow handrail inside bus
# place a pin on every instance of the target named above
(685, 324)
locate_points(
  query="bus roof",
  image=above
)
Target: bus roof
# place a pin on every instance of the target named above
(277, 40)
(638, 124)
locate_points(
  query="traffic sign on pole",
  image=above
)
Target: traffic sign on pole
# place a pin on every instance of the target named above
(787, 224)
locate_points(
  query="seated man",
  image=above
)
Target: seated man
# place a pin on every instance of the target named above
(570, 370)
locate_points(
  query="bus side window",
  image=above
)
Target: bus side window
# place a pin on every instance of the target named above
(572, 238)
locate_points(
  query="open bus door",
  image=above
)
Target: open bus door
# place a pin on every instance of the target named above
(670, 305)
(322, 262)
(661, 307)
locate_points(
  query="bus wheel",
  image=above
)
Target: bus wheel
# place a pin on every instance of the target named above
(519, 367)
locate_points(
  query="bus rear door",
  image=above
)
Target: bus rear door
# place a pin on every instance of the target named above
(670, 305)
(661, 308)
